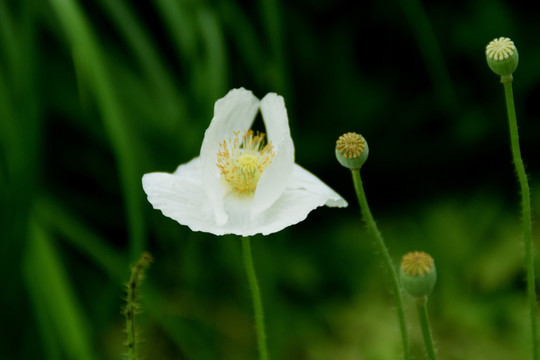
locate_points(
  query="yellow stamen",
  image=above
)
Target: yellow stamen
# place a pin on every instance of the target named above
(242, 161)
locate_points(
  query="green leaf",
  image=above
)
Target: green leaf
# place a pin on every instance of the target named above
(49, 284)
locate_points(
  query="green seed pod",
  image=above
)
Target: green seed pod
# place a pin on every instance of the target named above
(418, 274)
(502, 57)
(352, 150)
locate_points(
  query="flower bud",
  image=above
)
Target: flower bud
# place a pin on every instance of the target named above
(502, 57)
(352, 150)
(418, 274)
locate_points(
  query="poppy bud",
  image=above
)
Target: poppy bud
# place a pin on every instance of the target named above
(352, 150)
(418, 274)
(502, 57)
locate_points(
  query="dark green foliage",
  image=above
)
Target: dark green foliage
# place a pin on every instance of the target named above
(93, 94)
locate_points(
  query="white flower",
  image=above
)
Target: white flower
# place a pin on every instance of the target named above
(238, 184)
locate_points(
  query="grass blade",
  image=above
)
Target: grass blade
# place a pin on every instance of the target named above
(81, 38)
(48, 281)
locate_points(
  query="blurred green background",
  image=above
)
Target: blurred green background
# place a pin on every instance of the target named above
(93, 94)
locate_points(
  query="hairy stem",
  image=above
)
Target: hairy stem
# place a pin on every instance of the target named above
(370, 222)
(526, 212)
(132, 306)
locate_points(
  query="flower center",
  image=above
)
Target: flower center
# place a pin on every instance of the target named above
(242, 161)
(351, 145)
(500, 48)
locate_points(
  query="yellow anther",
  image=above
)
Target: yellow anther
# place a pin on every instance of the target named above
(242, 161)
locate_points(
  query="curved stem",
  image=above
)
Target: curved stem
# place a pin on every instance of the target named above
(370, 222)
(424, 323)
(256, 295)
(526, 212)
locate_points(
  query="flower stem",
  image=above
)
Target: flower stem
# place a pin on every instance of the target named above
(424, 323)
(526, 212)
(370, 222)
(256, 295)
(132, 306)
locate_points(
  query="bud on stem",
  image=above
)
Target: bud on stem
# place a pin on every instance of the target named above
(502, 57)
(352, 150)
(418, 274)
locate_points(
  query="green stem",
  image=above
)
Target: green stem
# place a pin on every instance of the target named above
(368, 218)
(424, 323)
(132, 306)
(257, 302)
(129, 312)
(526, 212)
(130, 328)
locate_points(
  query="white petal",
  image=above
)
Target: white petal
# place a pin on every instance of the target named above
(236, 111)
(304, 194)
(180, 196)
(275, 178)
(303, 179)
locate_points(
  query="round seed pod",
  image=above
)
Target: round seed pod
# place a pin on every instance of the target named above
(502, 57)
(352, 150)
(418, 274)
